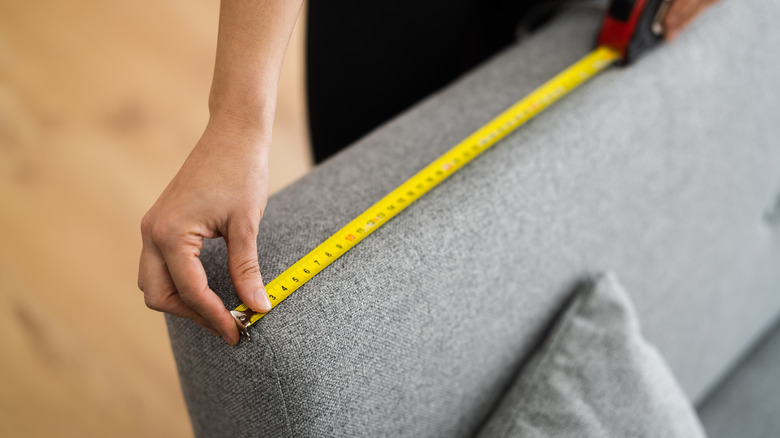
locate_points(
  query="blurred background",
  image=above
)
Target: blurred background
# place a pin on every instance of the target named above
(100, 103)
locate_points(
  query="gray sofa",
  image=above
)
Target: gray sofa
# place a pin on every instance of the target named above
(665, 175)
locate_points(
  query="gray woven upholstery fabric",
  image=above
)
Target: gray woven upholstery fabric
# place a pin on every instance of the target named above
(665, 173)
(747, 404)
(595, 376)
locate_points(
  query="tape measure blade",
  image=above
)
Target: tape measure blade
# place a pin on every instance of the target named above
(433, 174)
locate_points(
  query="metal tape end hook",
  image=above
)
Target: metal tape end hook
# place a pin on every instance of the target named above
(242, 321)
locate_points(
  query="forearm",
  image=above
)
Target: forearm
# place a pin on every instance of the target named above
(251, 43)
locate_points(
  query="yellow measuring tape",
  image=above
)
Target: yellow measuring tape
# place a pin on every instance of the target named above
(375, 216)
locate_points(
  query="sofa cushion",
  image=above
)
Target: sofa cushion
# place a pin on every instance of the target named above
(595, 376)
(747, 403)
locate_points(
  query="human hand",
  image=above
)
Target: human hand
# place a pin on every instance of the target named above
(220, 190)
(681, 13)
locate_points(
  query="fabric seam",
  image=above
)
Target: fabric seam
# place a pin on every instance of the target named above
(279, 385)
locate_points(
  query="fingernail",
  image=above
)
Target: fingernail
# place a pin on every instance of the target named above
(262, 300)
(229, 341)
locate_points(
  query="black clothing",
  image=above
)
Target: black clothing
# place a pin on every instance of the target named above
(367, 61)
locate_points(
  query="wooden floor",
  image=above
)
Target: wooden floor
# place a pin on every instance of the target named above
(100, 102)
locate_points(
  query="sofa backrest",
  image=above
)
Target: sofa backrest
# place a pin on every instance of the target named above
(663, 172)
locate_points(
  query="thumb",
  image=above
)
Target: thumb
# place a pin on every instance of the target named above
(244, 268)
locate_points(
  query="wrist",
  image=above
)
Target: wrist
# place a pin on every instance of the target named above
(238, 132)
(241, 123)
(245, 102)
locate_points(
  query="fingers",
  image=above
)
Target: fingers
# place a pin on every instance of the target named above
(159, 290)
(173, 279)
(243, 265)
(181, 255)
(681, 13)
